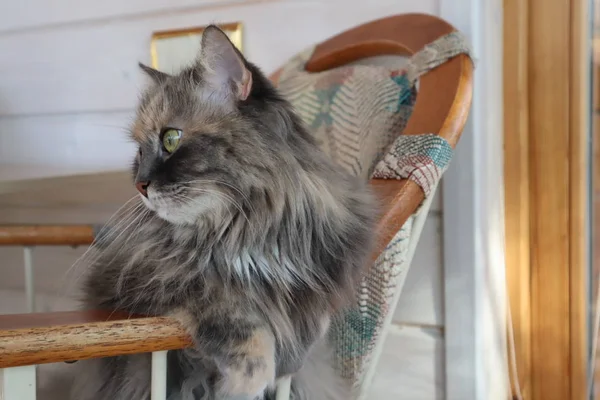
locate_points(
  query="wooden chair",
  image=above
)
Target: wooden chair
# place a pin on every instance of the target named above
(441, 108)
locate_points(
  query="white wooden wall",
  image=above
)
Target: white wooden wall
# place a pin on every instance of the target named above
(68, 84)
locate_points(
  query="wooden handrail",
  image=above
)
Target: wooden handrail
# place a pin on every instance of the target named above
(44, 235)
(28, 339)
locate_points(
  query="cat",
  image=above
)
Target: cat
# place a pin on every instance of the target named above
(243, 230)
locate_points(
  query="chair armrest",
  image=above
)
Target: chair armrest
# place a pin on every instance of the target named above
(399, 199)
(28, 339)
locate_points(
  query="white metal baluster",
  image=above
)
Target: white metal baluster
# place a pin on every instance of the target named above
(159, 375)
(18, 383)
(29, 281)
(284, 388)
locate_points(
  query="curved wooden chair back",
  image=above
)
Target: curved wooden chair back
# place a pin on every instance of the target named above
(442, 104)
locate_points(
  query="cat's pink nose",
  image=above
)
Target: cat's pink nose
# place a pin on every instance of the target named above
(142, 187)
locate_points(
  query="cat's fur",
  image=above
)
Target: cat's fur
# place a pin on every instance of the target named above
(250, 236)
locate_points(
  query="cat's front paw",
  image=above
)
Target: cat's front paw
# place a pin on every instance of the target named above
(247, 380)
(247, 374)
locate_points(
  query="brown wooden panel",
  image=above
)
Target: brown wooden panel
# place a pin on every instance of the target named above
(516, 179)
(557, 176)
(549, 190)
(579, 190)
(546, 176)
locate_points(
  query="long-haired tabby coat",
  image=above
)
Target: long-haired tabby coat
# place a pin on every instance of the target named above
(248, 235)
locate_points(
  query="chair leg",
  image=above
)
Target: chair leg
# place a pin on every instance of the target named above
(29, 281)
(159, 375)
(284, 388)
(18, 383)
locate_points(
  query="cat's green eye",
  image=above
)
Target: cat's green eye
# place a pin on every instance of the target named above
(170, 139)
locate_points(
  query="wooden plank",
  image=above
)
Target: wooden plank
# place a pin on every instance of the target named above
(549, 62)
(546, 178)
(579, 190)
(516, 187)
(55, 337)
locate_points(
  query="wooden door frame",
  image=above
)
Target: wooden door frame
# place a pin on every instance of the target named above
(546, 120)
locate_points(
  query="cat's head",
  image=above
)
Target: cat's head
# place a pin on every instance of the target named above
(201, 148)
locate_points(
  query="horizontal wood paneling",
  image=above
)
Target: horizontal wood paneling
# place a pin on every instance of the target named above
(21, 16)
(42, 15)
(96, 140)
(94, 68)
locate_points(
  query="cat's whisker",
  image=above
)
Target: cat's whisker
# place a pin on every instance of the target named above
(109, 229)
(141, 217)
(133, 214)
(77, 262)
(108, 237)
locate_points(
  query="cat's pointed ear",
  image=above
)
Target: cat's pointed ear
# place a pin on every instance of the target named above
(156, 75)
(224, 64)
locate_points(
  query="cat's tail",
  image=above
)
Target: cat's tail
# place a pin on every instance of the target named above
(318, 379)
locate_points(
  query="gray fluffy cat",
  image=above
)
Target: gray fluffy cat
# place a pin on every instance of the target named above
(246, 233)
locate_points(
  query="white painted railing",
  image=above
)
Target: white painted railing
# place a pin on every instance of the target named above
(29, 280)
(19, 383)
